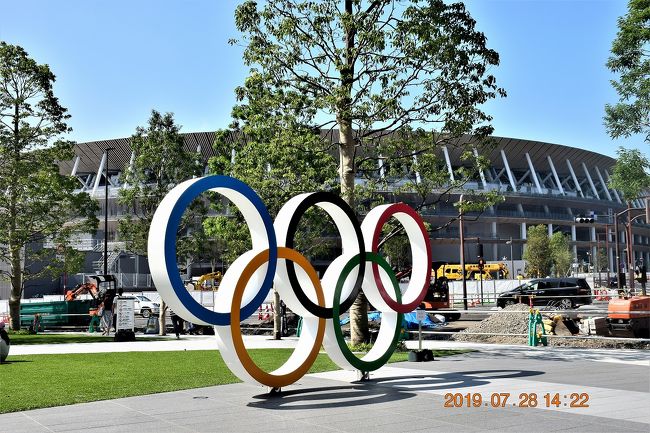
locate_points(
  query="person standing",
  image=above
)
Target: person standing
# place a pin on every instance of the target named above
(177, 321)
(107, 313)
(120, 292)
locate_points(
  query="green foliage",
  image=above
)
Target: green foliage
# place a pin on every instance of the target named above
(360, 347)
(629, 59)
(546, 255)
(37, 203)
(374, 64)
(366, 80)
(631, 174)
(161, 162)
(538, 254)
(232, 234)
(379, 72)
(279, 157)
(561, 255)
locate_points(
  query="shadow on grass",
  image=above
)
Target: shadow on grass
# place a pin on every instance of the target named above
(15, 361)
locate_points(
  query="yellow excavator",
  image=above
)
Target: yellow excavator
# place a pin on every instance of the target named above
(209, 281)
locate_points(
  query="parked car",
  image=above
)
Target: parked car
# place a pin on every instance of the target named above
(145, 306)
(561, 292)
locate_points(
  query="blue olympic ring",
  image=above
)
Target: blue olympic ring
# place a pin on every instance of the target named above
(199, 186)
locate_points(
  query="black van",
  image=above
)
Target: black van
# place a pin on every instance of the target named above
(563, 293)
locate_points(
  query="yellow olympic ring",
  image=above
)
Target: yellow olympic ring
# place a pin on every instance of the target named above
(283, 376)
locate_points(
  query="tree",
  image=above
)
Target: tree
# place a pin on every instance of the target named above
(631, 177)
(631, 174)
(37, 203)
(629, 59)
(561, 255)
(161, 162)
(538, 252)
(368, 74)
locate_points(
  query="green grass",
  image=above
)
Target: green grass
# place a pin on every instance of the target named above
(36, 381)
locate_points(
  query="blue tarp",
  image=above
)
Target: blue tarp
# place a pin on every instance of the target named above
(409, 320)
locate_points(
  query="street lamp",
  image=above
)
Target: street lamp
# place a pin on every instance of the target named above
(106, 210)
(512, 258)
(462, 253)
(629, 241)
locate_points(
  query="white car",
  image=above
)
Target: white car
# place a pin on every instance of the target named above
(145, 306)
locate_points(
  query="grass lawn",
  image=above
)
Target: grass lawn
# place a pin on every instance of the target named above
(35, 381)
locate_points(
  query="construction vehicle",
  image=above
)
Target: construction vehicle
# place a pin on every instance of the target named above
(472, 271)
(82, 289)
(209, 281)
(437, 297)
(629, 317)
(96, 287)
(73, 311)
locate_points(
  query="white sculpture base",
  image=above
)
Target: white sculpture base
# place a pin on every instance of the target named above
(4, 350)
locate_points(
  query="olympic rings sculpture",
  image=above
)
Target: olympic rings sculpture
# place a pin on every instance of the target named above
(272, 262)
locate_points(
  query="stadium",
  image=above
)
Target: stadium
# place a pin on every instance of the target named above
(542, 183)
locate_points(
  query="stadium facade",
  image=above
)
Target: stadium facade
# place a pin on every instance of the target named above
(542, 183)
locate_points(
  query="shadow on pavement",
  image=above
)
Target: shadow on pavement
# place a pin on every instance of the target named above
(329, 397)
(432, 382)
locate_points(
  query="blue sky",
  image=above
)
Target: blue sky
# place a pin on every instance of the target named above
(116, 60)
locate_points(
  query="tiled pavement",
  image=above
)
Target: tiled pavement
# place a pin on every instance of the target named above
(402, 397)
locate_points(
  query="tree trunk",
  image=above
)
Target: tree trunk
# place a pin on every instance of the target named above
(162, 318)
(277, 318)
(16, 287)
(359, 310)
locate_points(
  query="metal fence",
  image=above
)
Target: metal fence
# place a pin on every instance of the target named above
(128, 281)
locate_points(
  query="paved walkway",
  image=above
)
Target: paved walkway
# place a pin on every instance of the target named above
(399, 397)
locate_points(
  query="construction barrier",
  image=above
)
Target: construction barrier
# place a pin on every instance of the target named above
(536, 337)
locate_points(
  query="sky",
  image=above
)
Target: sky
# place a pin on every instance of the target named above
(117, 60)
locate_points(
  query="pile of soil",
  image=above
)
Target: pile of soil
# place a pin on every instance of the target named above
(513, 319)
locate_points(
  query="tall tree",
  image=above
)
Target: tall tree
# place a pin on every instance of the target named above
(37, 202)
(538, 252)
(370, 73)
(561, 255)
(630, 60)
(161, 162)
(631, 176)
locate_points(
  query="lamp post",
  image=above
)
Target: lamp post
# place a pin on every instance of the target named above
(106, 211)
(462, 253)
(629, 240)
(512, 258)
(606, 235)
